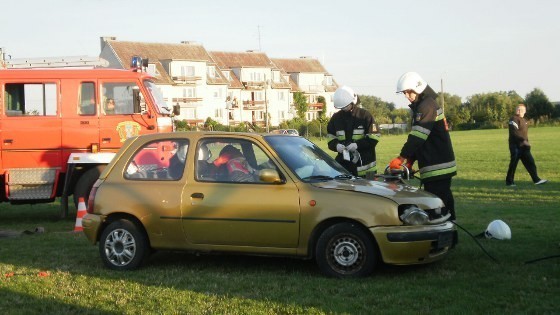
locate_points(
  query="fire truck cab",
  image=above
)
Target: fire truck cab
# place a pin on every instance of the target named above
(60, 127)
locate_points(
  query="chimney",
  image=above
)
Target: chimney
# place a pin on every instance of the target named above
(104, 40)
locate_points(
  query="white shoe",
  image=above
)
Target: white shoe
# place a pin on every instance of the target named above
(542, 181)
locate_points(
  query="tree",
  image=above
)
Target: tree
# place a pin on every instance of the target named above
(453, 108)
(538, 106)
(492, 108)
(300, 102)
(379, 109)
(323, 112)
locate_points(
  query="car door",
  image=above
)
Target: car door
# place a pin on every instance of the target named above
(219, 212)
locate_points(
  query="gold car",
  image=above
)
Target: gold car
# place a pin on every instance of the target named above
(264, 194)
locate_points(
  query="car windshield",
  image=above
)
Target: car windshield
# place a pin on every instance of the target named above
(158, 97)
(307, 160)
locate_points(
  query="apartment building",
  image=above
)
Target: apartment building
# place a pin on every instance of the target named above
(229, 87)
(311, 78)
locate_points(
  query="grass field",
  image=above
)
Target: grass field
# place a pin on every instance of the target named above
(467, 281)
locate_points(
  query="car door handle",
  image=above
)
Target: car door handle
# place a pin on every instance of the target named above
(197, 195)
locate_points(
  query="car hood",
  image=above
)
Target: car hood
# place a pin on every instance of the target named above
(395, 190)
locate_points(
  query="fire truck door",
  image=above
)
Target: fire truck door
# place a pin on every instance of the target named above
(31, 136)
(80, 120)
(123, 114)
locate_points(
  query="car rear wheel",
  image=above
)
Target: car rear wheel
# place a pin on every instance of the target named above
(123, 245)
(345, 250)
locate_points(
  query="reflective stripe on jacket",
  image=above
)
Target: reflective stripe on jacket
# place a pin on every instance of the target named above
(428, 141)
(355, 126)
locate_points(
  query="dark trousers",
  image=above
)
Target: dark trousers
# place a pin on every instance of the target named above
(523, 154)
(442, 189)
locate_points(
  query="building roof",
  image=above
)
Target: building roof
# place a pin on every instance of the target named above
(189, 51)
(230, 60)
(299, 65)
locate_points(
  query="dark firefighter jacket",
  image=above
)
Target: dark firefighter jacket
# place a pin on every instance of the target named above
(356, 126)
(518, 131)
(429, 142)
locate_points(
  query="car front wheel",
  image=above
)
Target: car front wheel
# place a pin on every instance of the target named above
(346, 250)
(123, 245)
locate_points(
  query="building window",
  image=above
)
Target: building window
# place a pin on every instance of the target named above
(259, 96)
(227, 74)
(256, 76)
(219, 112)
(187, 71)
(211, 70)
(281, 95)
(328, 81)
(217, 93)
(189, 92)
(152, 70)
(190, 113)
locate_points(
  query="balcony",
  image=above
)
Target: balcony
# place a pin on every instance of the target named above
(186, 100)
(254, 85)
(315, 107)
(254, 105)
(186, 79)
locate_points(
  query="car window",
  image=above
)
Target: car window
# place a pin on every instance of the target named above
(230, 160)
(158, 160)
(306, 159)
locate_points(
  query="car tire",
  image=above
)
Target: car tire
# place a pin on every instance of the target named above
(85, 183)
(123, 245)
(346, 250)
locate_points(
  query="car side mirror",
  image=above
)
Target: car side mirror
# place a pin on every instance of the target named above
(269, 175)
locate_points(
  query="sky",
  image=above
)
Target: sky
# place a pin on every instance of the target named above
(472, 47)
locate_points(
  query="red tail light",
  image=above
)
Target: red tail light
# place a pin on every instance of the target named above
(91, 197)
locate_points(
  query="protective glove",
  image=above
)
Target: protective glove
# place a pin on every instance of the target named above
(409, 164)
(340, 148)
(352, 147)
(356, 157)
(396, 163)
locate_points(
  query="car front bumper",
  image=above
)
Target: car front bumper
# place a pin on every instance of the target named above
(406, 245)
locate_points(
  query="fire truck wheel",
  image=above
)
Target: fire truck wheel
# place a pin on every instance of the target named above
(85, 183)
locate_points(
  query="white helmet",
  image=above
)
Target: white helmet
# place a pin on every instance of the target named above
(411, 81)
(344, 96)
(499, 230)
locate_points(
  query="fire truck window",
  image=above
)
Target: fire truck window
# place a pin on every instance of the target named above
(86, 100)
(119, 98)
(162, 160)
(31, 99)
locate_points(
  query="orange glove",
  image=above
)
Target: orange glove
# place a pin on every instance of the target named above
(396, 163)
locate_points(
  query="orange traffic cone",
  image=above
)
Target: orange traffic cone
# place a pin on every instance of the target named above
(81, 212)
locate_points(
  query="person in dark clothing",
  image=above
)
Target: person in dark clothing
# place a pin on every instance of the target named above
(520, 149)
(429, 142)
(352, 133)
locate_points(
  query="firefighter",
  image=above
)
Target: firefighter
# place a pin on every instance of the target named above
(352, 133)
(429, 142)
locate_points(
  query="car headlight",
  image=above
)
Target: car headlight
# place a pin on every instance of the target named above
(412, 215)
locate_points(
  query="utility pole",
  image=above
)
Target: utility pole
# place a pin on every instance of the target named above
(442, 96)
(259, 34)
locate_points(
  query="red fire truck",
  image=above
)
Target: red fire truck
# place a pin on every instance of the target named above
(60, 127)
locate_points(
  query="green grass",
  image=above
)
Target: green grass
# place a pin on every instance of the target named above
(467, 281)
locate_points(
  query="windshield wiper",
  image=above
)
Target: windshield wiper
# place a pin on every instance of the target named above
(318, 177)
(344, 176)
